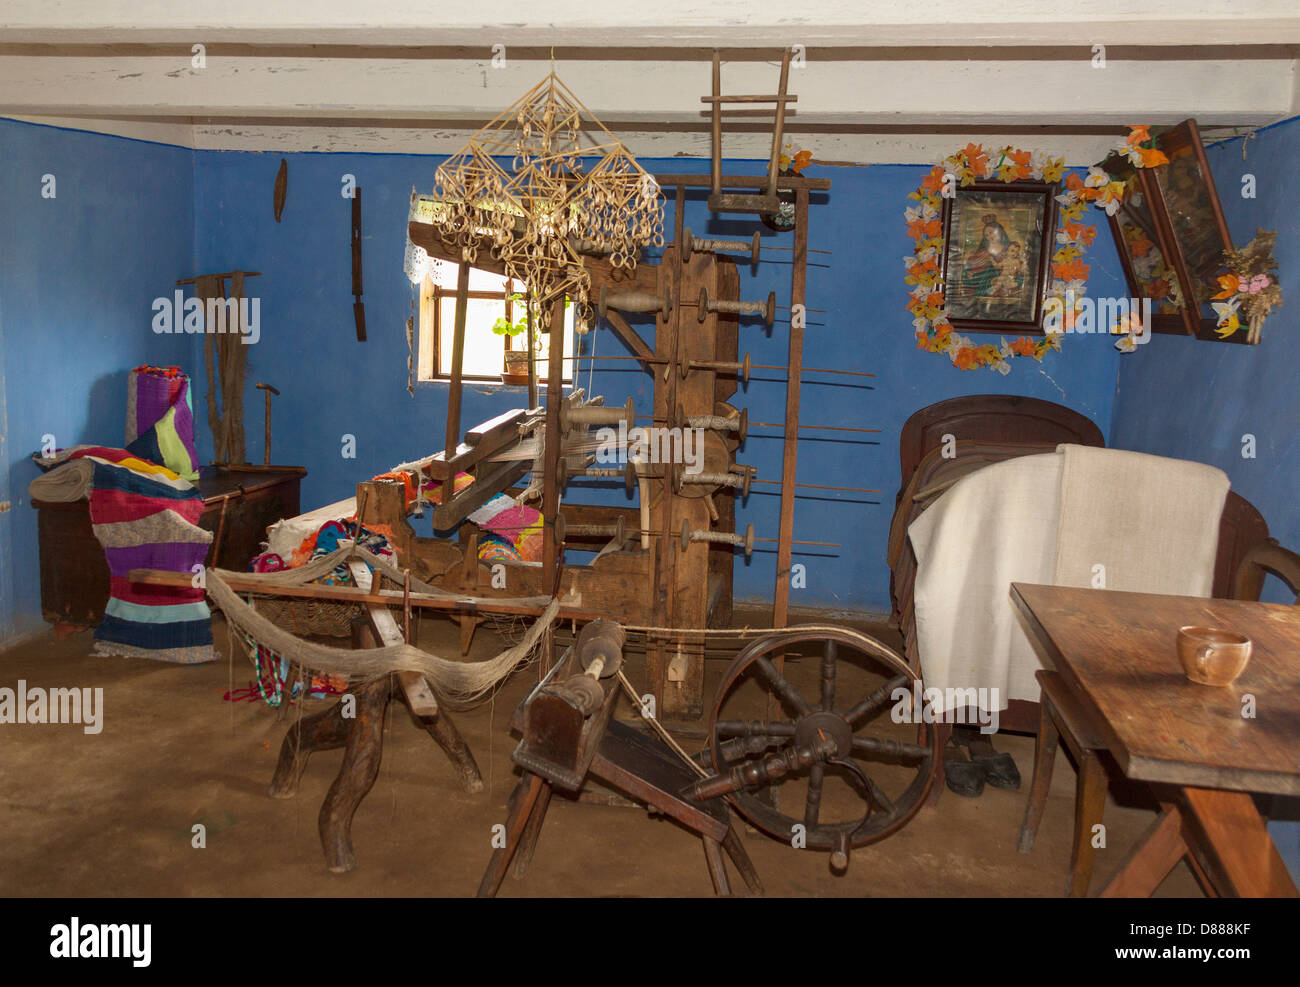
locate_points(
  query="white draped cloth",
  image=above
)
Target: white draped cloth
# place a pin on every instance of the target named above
(1080, 516)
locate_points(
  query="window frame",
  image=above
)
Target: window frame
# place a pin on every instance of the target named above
(432, 295)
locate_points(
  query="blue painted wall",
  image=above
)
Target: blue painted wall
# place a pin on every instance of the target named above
(331, 385)
(77, 277)
(130, 218)
(1196, 400)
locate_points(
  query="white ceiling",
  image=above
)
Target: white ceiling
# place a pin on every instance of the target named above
(883, 81)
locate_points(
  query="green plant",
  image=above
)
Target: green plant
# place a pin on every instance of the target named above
(504, 327)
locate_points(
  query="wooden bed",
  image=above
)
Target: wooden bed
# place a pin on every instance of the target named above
(1000, 426)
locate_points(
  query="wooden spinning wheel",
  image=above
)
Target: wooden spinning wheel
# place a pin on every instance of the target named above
(823, 737)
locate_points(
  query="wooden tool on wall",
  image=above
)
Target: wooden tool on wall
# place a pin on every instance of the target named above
(281, 188)
(225, 358)
(358, 306)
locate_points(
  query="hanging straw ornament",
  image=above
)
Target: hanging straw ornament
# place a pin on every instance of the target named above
(533, 216)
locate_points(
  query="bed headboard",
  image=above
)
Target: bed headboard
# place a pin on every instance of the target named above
(994, 418)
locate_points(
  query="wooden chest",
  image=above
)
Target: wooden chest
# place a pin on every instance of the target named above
(239, 505)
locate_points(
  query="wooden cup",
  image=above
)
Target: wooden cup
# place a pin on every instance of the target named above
(1212, 655)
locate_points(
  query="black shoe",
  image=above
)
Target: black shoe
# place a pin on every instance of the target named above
(964, 777)
(1000, 767)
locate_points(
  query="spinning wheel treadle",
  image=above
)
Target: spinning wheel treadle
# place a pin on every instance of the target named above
(821, 736)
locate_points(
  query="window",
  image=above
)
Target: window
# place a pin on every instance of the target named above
(491, 297)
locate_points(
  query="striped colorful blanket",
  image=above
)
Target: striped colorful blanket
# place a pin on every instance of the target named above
(146, 517)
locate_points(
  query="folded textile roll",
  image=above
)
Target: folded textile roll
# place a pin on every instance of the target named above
(146, 517)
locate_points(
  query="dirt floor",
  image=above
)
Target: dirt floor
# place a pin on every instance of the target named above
(112, 814)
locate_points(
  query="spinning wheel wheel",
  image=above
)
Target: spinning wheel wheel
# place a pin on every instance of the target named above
(886, 776)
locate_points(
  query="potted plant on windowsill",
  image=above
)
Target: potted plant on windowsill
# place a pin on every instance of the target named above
(515, 368)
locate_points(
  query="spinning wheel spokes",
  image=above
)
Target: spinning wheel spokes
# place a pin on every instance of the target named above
(876, 701)
(886, 777)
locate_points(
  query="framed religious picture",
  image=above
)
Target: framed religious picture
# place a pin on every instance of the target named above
(1144, 252)
(1187, 206)
(996, 256)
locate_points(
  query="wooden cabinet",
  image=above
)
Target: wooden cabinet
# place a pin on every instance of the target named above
(239, 505)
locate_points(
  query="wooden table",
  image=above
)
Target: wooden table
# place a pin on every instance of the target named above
(1116, 653)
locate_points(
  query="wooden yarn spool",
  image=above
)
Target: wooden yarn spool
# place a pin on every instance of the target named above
(730, 425)
(766, 309)
(735, 481)
(745, 541)
(713, 246)
(586, 415)
(635, 301)
(741, 369)
(627, 474)
(615, 532)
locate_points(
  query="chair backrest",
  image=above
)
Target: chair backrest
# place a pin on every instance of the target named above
(1241, 528)
(1265, 557)
(991, 418)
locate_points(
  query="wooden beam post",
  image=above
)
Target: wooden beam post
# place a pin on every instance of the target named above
(790, 452)
(551, 462)
(457, 359)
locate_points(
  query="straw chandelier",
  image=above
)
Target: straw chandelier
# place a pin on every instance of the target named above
(537, 215)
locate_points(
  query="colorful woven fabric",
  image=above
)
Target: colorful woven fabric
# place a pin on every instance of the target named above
(494, 548)
(145, 517)
(517, 523)
(160, 419)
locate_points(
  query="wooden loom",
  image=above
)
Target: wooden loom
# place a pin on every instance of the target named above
(648, 578)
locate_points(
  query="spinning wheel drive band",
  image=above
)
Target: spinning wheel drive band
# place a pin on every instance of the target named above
(733, 743)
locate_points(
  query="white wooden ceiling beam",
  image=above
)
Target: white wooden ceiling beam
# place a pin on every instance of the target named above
(667, 22)
(850, 93)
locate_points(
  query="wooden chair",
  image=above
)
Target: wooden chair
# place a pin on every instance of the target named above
(1063, 717)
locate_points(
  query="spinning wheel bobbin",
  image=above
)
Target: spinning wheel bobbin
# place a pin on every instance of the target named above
(712, 246)
(634, 301)
(601, 656)
(745, 541)
(596, 415)
(742, 368)
(766, 309)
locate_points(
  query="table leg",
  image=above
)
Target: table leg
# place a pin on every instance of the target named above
(1229, 830)
(1150, 862)
(1228, 833)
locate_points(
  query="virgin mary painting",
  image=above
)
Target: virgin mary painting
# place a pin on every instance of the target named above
(993, 257)
(982, 268)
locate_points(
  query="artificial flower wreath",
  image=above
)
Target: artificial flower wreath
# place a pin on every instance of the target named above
(1068, 272)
